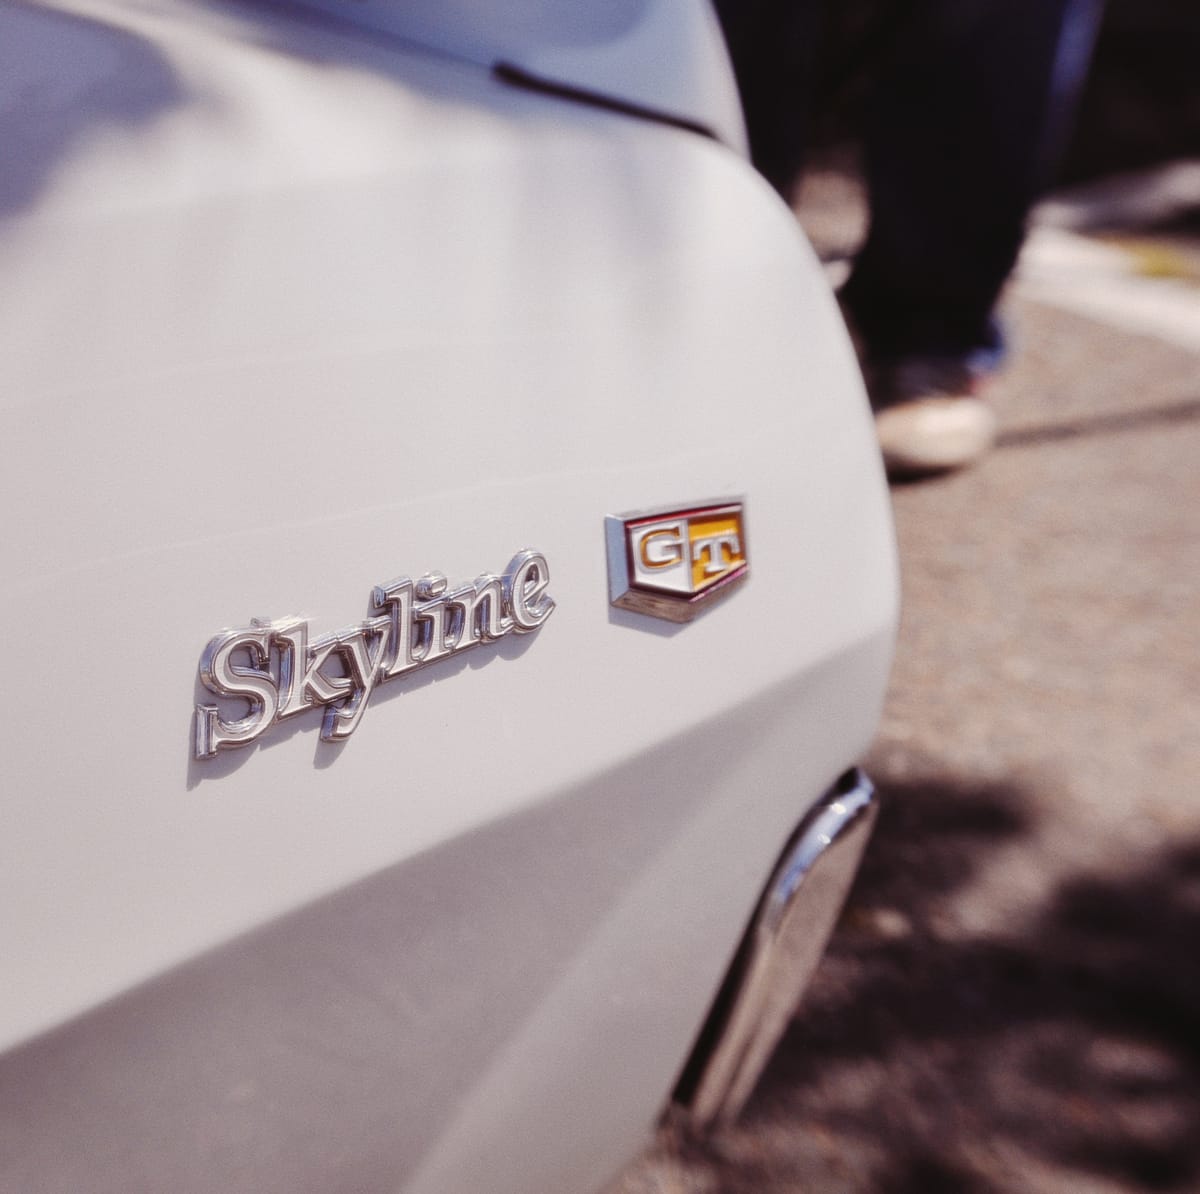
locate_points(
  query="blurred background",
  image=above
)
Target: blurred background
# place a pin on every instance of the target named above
(1012, 999)
(1141, 104)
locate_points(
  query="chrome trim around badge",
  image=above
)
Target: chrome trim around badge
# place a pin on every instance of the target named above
(274, 669)
(673, 562)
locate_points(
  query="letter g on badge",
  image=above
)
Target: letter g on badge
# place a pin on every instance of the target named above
(659, 546)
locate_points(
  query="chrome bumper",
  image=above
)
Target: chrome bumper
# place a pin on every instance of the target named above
(778, 955)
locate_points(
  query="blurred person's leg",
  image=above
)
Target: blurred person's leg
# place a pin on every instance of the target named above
(773, 48)
(969, 116)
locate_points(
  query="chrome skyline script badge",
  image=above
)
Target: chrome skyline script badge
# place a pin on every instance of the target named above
(674, 563)
(272, 668)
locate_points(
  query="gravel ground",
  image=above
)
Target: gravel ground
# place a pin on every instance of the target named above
(1012, 1000)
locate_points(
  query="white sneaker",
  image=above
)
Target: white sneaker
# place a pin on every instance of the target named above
(929, 419)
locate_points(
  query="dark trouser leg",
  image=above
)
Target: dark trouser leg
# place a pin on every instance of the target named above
(967, 120)
(773, 46)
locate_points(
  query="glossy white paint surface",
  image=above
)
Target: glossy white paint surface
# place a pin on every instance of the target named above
(663, 55)
(287, 311)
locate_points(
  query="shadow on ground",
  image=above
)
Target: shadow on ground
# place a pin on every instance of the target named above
(1061, 1053)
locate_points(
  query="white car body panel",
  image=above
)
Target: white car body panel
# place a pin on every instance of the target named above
(287, 310)
(664, 56)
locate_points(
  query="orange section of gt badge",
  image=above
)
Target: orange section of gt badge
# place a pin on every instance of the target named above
(717, 548)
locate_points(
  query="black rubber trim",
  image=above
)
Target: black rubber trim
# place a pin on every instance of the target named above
(516, 76)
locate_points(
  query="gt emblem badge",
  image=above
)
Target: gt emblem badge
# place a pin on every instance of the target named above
(273, 668)
(673, 563)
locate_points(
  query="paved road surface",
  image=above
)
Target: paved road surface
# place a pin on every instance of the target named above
(1012, 1001)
